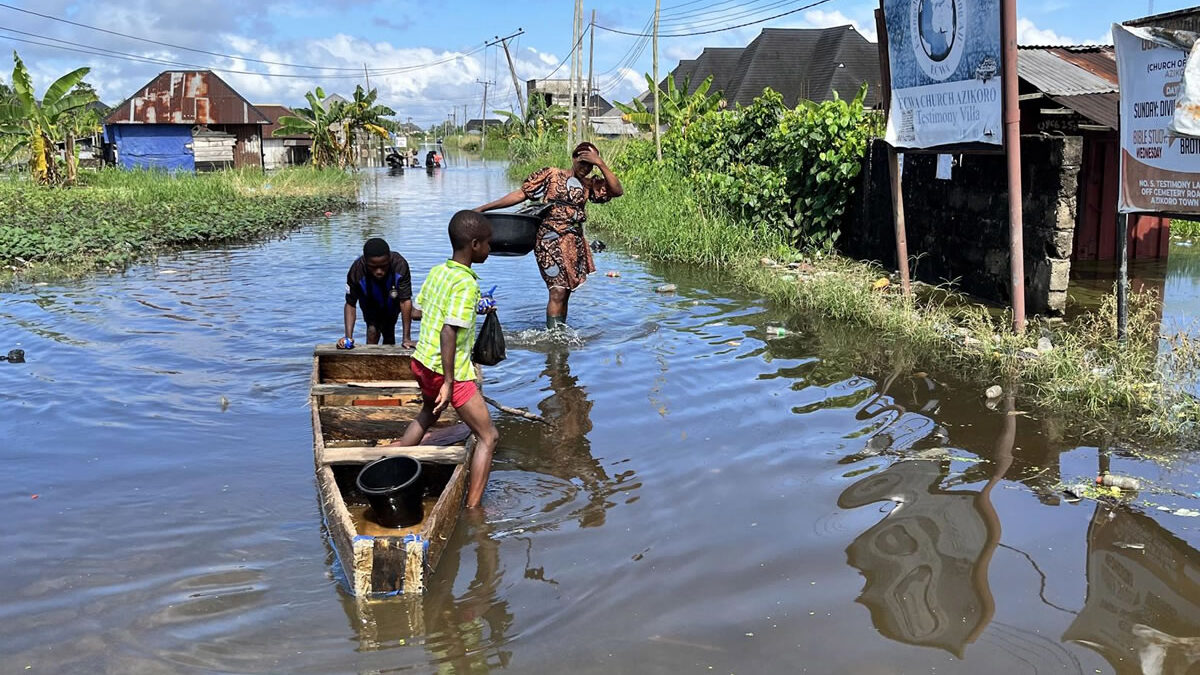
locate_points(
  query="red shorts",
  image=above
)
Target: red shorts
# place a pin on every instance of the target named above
(431, 384)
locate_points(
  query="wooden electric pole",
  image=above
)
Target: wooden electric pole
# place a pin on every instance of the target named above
(503, 42)
(571, 121)
(657, 137)
(483, 117)
(591, 55)
(579, 115)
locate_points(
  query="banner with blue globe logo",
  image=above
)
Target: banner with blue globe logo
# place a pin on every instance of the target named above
(945, 58)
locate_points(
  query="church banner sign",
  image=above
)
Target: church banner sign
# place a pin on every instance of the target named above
(1160, 171)
(945, 58)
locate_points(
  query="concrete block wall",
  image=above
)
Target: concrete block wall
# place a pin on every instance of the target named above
(958, 228)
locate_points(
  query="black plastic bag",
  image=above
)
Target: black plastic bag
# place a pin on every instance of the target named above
(489, 346)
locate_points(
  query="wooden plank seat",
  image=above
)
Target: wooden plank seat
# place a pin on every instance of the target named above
(438, 454)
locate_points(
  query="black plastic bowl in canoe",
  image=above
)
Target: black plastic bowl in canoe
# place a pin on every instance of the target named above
(513, 233)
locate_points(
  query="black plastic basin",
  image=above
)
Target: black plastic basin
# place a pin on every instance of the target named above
(394, 489)
(513, 233)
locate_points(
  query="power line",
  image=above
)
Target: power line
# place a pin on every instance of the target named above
(175, 46)
(725, 15)
(718, 30)
(572, 51)
(707, 9)
(112, 53)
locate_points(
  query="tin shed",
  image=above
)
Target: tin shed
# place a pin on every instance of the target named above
(186, 120)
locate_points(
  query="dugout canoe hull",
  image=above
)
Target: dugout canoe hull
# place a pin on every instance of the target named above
(362, 399)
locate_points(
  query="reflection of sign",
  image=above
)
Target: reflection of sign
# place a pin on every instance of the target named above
(924, 585)
(944, 57)
(1143, 604)
(1160, 172)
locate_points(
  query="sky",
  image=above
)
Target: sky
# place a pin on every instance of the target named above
(428, 58)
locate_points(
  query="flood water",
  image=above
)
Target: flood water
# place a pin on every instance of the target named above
(711, 496)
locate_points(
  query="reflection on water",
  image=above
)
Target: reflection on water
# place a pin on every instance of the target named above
(465, 631)
(1143, 599)
(926, 563)
(690, 505)
(920, 562)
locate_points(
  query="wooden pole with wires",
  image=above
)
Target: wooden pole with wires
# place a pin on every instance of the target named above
(578, 75)
(591, 56)
(657, 136)
(571, 103)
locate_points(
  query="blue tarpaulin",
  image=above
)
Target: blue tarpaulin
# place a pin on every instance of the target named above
(167, 147)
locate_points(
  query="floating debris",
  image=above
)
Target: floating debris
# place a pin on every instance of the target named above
(1132, 547)
(612, 273)
(665, 288)
(994, 391)
(1122, 482)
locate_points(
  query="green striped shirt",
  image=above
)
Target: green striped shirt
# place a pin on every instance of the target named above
(448, 297)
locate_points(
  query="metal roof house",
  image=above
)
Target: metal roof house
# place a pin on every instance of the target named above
(1073, 91)
(186, 121)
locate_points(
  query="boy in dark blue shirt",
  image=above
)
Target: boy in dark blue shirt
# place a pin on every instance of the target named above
(379, 281)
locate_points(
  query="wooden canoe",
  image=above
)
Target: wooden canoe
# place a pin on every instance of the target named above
(362, 399)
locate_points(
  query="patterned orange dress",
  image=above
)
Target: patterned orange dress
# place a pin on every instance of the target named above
(562, 252)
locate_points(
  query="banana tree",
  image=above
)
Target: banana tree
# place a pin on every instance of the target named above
(677, 108)
(315, 121)
(332, 127)
(33, 126)
(541, 119)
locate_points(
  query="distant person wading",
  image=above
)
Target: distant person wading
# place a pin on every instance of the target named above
(562, 252)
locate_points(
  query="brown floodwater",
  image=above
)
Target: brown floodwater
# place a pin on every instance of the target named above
(710, 496)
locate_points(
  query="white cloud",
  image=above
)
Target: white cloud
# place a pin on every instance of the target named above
(1030, 34)
(817, 18)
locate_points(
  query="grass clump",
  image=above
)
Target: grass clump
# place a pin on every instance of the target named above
(115, 217)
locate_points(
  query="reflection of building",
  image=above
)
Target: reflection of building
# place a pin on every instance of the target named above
(1143, 604)
(925, 563)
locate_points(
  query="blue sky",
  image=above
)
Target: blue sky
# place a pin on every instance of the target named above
(425, 56)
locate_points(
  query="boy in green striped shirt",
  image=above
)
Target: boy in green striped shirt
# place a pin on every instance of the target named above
(442, 359)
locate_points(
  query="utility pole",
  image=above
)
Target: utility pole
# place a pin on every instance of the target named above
(571, 121)
(591, 55)
(483, 117)
(578, 74)
(367, 76)
(503, 42)
(657, 138)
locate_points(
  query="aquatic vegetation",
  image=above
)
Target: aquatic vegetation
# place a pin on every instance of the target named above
(115, 217)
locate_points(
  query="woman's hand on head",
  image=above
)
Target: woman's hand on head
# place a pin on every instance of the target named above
(590, 156)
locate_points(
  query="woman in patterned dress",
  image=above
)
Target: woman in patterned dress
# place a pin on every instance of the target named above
(562, 252)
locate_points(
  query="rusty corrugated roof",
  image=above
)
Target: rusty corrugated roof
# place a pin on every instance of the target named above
(1050, 72)
(186, 97)
(1100, 60)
